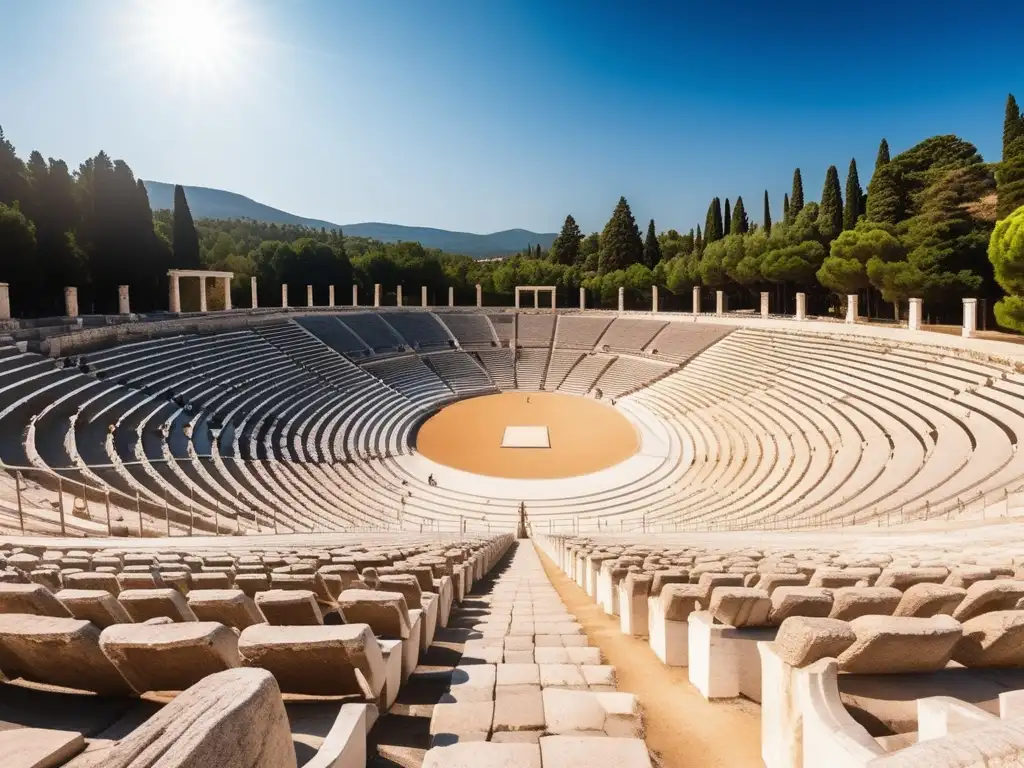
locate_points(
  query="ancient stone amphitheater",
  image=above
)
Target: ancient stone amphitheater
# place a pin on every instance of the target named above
(486, 537)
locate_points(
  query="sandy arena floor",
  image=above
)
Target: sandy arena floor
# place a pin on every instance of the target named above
(585, 435)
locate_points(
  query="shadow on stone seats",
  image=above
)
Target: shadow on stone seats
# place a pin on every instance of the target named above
(104, 717)
(886, 705)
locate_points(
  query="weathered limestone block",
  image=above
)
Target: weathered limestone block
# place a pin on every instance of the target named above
(317, 660)
(169, 657)
(130, 580)
(985, 596)
(900, 644)
(282, 607)
(252, 583)
(385, 612)
(832, 578)
(663, 578)
(585, 751)
(799, 601)
(93, 580)
(232, 719)
(33, 599)
(740, 606)
(230, 607)
(95, 605)
(929, 599)
(487, 754)
(211, 580)
(64, 652)
(850, 602)
(769, 582)
(994, 639)
(904, 578)
(802, 640)
(580, 712)
(404, 584)
(143, 604)
(679, 600)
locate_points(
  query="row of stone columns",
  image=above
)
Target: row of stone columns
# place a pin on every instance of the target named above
(355, 295)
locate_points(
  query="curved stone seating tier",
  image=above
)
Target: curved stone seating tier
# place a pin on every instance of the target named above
(559, 366)
(469, 330)
(224, 627)
(580, 331)
(535, 330)
(531, 365)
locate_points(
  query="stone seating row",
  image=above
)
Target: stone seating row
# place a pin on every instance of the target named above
(332, 680)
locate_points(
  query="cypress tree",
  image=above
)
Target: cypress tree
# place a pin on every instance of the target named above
(713, 222)
(538, 253)
(854, 197)
(620, 241)
(767, 223)
(887, 195)
(185, 239)
(785, 208)
(883, 154)
(830, 210)
(566, 248)
(796, 200)
(740, 225)
(727, 219)
(1010, 174)
(652, 248)
(698, 241)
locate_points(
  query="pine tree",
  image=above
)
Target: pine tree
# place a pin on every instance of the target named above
(785, 208)
(727, 219)
(830, 210)
(652, 248)
(566, 248)
(883, 154)
(796, 200)
(854, 197)
(739, 225)
(767, 223)
(621, 245)
(185, 238)
(1010, 174)
(713, 222)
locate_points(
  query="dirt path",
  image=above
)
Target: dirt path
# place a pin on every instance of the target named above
(682, 728)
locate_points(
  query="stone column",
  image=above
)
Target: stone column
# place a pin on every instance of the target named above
(696, 299)
(423, 295)
(330, 296)
(764, 304)
(536, 299)
(252, 291)
(202, 294)
(71, 301)
(914, 318)
(355, 295)
(554, 296)
(801, 306)
(451, 296)
(123, 305)
(376, 294)
(175, 294)
(479, 295)
(309, 295)
(719, 303)
(398, 294)
(517, 296)
(852, 313)
(284, 295)
(5, 301)
(970, 318)
(622, 299)
(227, 293)
(654, 298)
(583, 298)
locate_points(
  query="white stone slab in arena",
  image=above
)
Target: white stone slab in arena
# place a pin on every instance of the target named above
(525, 437)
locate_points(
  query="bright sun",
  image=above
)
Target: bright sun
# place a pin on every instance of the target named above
(201, 41)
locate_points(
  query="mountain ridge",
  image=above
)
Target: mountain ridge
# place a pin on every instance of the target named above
(211, 203)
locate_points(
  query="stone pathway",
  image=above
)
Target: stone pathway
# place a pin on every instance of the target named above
(528, 690)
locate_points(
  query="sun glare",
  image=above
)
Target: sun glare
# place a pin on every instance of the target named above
(203, 42)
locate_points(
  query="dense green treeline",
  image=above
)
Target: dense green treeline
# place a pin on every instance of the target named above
(921, 227)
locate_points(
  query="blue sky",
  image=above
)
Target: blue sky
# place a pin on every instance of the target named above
(481, 116)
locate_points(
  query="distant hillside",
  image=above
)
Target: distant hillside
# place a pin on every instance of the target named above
(208, 203)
